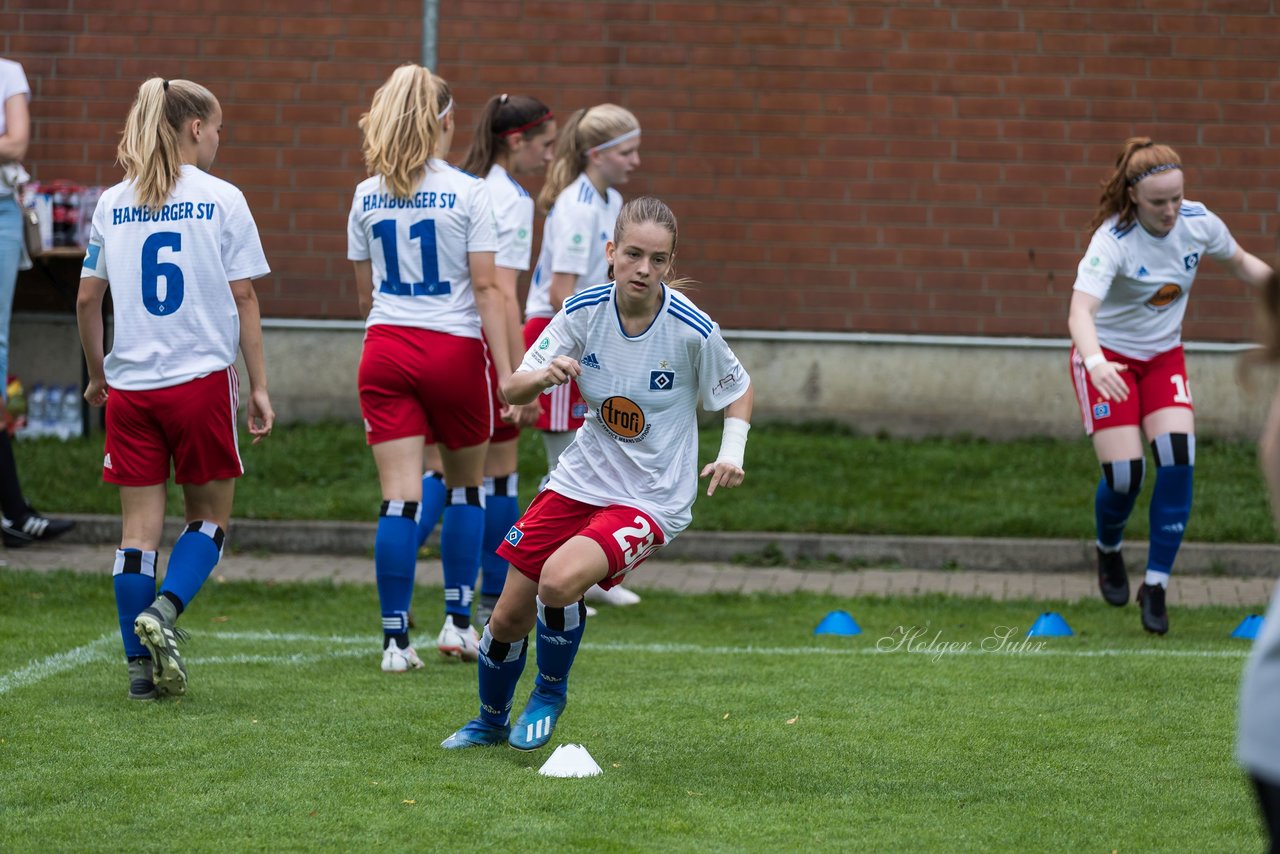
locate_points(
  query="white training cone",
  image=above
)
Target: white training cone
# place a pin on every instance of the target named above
(570, 760)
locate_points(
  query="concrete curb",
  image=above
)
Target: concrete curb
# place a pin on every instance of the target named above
(755, 547)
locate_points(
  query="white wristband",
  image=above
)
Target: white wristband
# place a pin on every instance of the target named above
(1093, 361)
(733, 444)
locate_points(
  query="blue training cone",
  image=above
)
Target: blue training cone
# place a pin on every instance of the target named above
(838, 623)
(1249, 627)
(1050, 624)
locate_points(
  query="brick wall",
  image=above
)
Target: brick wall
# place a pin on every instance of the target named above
(836, 166)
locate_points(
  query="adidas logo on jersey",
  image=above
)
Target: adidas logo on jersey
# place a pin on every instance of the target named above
(590, 361)
(1142, 271)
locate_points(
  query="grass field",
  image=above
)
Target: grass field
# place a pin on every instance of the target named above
(815, 478)
(721, 723)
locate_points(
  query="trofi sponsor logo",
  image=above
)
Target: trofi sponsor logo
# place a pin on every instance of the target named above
(623, 418)
(1165, 296)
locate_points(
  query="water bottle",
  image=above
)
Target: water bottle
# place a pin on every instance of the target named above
(36, 407)
(69, 423)
(48, 425)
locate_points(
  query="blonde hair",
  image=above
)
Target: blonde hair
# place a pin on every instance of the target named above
(1139, 158)
(150, 148)
(584, 130)
(402, 128)
(648, 209)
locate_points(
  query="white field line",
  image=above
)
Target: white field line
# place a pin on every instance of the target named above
(100, 649)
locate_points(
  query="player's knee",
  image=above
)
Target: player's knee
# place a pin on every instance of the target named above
(560, 586)
(1125, 476)
(508, 625)
(1174, 449)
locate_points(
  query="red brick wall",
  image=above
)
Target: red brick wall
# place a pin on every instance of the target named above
(836, 166)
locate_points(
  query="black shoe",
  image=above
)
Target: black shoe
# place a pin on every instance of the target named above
(1113, 581)
(32, 528)
(141, 686)
(1155, 618)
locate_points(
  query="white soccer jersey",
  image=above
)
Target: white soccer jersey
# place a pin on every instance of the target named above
(419, 246)
(578, 226)
(1143, 280)
(639, 443)
(513, 218)
(169, 271)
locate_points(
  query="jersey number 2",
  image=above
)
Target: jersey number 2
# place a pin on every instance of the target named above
(153, 270)
(636, 542)
(423, 231)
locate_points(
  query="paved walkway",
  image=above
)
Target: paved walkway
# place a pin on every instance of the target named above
(704, 577)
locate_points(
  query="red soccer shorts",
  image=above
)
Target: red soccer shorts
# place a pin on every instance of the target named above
(192, 424)
(1154, 384)
(627, 535)
(415, 382)
(562, 409)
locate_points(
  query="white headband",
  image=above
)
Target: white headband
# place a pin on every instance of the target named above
(448, 108)
(617, 140)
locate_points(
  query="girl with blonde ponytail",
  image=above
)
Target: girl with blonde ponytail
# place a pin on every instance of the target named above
(179, 249)
(1130, 376)
(422, 239)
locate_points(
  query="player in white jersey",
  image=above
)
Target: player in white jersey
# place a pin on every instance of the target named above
(422, 238)
(514, 136)
(1258, 745)
(597, 151)
(1130, 376)
(644, 356)
(179, 249)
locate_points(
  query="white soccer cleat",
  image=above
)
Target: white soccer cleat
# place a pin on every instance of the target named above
(397, 660)
(618, 596)
(462, 644)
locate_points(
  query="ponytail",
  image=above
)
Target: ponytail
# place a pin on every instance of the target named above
(584, 130)
(150, 148)
(403, 127)
(503, 117)
(1138, 159)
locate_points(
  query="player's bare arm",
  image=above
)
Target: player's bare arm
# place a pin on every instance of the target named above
(89, 319)
(727, 470)
(525, 386)
(1084, 333)
(261, 416)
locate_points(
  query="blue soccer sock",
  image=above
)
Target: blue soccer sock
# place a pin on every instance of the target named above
(559, 635)
(461, 533)
(1170, 498)
(500, 667)
(1113, 502)
(433, 496)
(501, 511)
(195, 554)
(134, 580)
(395, 554)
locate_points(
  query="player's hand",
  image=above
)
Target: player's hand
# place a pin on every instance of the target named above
(525, 415)
(96, 392)
(724, 474)
(1107, 380)
(261, 415)
(560, 371)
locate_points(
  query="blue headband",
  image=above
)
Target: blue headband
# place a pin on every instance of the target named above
(1163, 167)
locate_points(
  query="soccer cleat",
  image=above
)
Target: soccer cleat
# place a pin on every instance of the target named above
(399, 660)
(32, 528)
(161, 640)
(462, 644)
(538, 720)
(1113, 581)
(141, 685)
(476, 733)
(483, 610)
(1155, 617)
(618, 596)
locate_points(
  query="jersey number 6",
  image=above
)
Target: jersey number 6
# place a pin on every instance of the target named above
(153, 270)
(424, 231)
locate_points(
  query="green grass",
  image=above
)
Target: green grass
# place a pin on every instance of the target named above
(721, 723)
(817, 478)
